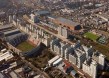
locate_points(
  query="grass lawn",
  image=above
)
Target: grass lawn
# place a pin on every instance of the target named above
(91, 36)
(25, 46)
(104, 49)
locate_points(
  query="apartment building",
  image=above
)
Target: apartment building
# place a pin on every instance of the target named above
(90, 67)
(100, 58)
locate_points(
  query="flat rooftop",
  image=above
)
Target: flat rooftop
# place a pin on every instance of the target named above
(5, 26)
(67, 21)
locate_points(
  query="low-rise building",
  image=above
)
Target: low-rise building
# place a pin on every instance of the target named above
(6, 56)
(42, 13)
(50, 62)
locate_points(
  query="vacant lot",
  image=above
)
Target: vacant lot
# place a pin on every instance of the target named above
(104, 49)
(25, 46)
(91, 36)
(42, 59)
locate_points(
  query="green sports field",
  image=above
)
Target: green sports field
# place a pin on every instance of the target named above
(25, 46)
(91, 36)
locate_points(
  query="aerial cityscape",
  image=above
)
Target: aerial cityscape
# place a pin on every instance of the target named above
(54, 38)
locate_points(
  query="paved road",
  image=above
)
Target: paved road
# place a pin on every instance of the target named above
(35, 69)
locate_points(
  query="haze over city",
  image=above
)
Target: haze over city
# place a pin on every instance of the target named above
(54, 38)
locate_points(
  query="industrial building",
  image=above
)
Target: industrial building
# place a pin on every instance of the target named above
(67, 23)
(50, 62)
(42, 13)
(65, 27)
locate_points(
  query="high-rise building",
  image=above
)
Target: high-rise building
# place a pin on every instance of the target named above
(90, 67)
(100, 58)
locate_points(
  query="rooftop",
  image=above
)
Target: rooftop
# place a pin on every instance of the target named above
(67, 21)
(5, 56)
(79, 52)
(2, 75)
(41, 12)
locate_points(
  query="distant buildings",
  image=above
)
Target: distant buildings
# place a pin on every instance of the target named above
(103, 16)
(42, 13)
(34, 18)
(67, 10)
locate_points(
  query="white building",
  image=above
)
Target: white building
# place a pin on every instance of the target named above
(88, 51)
(67, 52)
(100, 58)
(6, 56)
(58, 61)
(50, 62)
(90, 67)
(78, 54)
(81, 56)
(34, 18)
(101, 61)
(63, 48)
(63, 31)
(73, 59)
(55, 46)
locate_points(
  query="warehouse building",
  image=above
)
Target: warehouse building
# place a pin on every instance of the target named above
(65, 27)
(12, 32)
(50, 62)
(42, 13)
(67, 23)
(6, 56)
